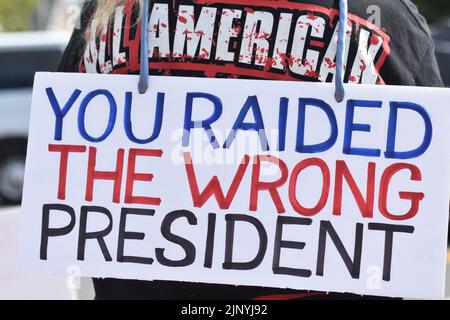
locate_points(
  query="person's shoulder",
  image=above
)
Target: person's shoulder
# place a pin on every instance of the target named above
(403, 12)
(415, 15)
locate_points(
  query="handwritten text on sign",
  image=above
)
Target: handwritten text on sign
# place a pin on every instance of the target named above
(239, 182)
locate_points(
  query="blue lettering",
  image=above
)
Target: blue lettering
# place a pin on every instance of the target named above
(350, 127)
(158, 119)
(59, 112)
(82, 115)
(321, 147)
(258, 125)
(189, 124)
(392, 130)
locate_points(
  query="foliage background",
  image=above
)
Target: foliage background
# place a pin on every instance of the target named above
(433, 10)
(15, 15)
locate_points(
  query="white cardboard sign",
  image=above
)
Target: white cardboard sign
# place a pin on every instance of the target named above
(242, 182)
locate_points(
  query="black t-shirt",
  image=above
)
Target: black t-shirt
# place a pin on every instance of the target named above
(264, 39)
(387, 41)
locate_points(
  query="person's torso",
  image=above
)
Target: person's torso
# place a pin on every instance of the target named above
(261, 39)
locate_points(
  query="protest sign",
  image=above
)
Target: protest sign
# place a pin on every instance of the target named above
(241, 182)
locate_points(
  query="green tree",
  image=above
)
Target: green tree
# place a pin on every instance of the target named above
(15, 14)
(433, 10)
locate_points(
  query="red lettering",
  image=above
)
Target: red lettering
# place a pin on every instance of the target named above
(132, 176)
(64, 150)
(257, 185)
(309, 212)
(414, 197)
(93, 174)
(214, 187)
(365, 205)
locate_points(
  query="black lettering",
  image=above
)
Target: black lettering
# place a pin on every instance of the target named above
(48, 232)
(99, 235)
(127, 235)
(354, 265)
(389, 230)
(231, 219)
(209, 250)
(280, 243)
(187, 246)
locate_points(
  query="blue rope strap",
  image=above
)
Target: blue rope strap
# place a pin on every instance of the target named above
(340, 69)
(144, 74)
